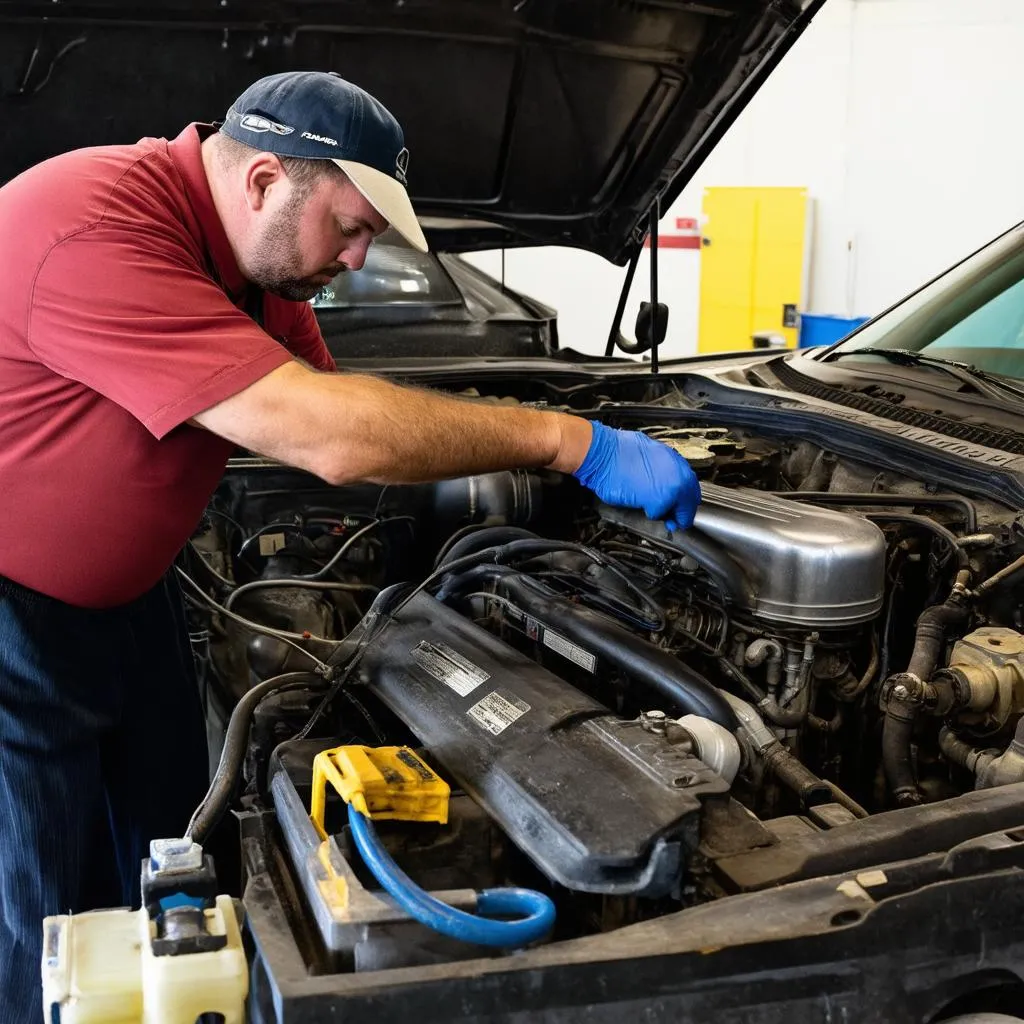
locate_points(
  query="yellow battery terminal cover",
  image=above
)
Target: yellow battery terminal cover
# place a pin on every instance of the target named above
(380, 782)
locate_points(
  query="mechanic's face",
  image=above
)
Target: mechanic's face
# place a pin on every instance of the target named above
(302, 238)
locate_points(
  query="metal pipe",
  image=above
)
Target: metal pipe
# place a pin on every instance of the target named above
(1004, 574)
(965, 505)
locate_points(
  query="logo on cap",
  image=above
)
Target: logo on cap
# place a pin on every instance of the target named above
(256, 123)
(325, 139)
(402, 166)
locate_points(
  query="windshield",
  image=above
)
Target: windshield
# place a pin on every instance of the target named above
(972, 314)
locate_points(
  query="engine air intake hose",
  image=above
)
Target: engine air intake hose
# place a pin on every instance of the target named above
(534, 912)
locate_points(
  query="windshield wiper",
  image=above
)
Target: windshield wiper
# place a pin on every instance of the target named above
(966, 373)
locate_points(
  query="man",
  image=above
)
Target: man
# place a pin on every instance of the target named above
(153, 314)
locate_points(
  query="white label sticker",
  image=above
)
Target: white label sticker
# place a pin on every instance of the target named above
(567, 649)
(496, 713)
(562, 645)
(449, 667)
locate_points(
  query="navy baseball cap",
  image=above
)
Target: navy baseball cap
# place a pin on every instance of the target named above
(317, 115)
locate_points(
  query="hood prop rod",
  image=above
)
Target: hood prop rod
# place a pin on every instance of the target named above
(614, 335)
(655, 217)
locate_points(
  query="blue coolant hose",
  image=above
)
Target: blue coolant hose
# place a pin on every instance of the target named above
(535, 913)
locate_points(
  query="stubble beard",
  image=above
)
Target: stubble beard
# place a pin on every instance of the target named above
(274, 262)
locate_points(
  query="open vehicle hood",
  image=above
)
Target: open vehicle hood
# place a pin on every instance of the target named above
(529, 121)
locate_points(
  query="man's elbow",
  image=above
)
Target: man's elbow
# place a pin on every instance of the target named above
(337, 467)
(328, 467)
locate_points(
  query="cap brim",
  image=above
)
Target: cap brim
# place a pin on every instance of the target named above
(389, 198)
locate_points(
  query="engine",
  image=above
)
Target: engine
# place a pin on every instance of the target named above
(631, 719)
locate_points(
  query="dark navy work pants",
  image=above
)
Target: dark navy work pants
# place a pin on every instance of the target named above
(102, 748)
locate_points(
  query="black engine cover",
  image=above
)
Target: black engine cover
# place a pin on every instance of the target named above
(600, 804)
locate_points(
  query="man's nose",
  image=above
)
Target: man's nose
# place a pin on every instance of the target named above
(353, 255)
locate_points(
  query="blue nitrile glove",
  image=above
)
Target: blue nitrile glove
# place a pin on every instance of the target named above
(625, 467)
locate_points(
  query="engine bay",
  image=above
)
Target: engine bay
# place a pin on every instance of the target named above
(631, 721)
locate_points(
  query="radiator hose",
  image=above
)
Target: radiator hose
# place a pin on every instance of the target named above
(906, 693)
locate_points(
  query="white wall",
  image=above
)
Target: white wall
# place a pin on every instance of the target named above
(902, 118)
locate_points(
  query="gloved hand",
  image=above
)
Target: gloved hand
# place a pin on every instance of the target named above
(625, 467)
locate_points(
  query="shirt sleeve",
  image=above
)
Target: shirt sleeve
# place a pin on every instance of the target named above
(306, 341)
(139, 321)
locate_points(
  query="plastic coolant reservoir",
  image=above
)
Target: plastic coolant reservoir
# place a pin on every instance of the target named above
(99, 968)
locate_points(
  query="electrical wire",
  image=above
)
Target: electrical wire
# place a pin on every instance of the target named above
(590, 594)
(264, 530)
(344, 549)
(279, 634)
(380, 501)
(367, 631)
(210, 510)
(337, 687)
(230, 584)
(498, 598)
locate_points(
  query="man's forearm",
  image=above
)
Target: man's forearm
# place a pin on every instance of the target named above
(391, 434)
(353, 427)
(348, 428)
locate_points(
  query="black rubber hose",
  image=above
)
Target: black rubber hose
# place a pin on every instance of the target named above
(522, 550)
(471, 579)
(792, 773)
(930, 637)
(478, 539)
(965, 505)
(900, 714)
(629, 654)
(218, 796)
(897, 736)
(924, 523)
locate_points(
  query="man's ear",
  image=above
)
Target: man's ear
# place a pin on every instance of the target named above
(263, 173)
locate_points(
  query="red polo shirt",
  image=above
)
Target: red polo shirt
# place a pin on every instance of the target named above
(120, 319)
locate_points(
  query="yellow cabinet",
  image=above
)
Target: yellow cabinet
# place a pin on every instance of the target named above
(753, 266)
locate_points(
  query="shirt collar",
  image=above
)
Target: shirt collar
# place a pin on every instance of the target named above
(186, 153)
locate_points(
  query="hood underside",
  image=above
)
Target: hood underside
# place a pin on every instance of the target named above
(528, 121)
